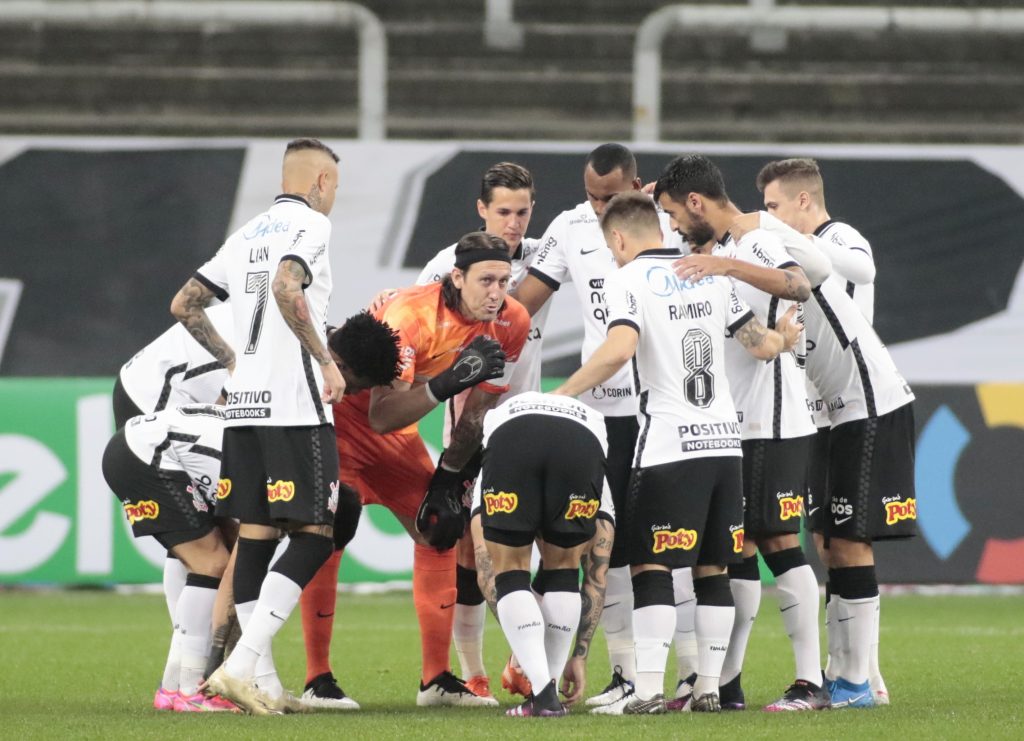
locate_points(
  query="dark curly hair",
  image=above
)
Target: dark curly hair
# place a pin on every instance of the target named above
(369, 347)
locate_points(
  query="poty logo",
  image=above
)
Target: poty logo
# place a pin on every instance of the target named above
(790, 507)
(737, 541)
(897, 511)
(681, 539)
(147, 509)
(503, 501)
(223, 488)
(586, 509)
(280, 491)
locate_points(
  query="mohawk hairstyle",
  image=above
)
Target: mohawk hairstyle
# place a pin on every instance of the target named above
(369, 347)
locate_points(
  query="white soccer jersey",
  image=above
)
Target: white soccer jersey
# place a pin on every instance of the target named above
(770, 396)
(846, 360)
(686, 408)
(549, 405)
(276, 382)
(853, 263)
(573, 249)
(174, 369)
(186, 439)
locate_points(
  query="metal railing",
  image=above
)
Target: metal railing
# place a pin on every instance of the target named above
(373, 50)
(763, 16)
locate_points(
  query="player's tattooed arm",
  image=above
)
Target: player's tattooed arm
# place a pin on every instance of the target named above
(291, 300)
(761, 342)
(469, 430)
(595, 583)
(797, 286)
(189, 308)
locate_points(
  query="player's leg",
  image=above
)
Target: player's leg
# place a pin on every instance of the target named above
(685, 639)
(816, 509)
(745, 585)
(470, 615)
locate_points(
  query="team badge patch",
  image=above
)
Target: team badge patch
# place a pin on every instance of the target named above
(332, 500)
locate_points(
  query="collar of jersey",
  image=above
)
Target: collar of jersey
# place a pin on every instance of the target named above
(660, 252)
(291, 198)
(823, 226)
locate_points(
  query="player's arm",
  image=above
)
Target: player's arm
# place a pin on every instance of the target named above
(468, 432)
(398, 405)
(533, 293)
(617, 348)
(291, 300)
(852, 260)
(789, 282)
(815, 263)
(766, 344)
(189, 308)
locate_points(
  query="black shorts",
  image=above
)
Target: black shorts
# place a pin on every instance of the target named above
(774, 482)
(688, 513)
(622, 434)
(124, 407)
(817, 482)
(279, 476)
(541, 475)
(156, 502)
(871, 478)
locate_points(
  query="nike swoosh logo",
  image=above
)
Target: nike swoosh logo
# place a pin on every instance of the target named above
(843, 620)
(274, 614)
(445, 607)
(611, 604)
(783, 609)
(320, 614)
(587, 252)
(812, 510)
(686, 601)
(840, 522)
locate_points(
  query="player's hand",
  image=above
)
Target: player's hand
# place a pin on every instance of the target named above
(789, 328)
(744, 223)
(481, 360)
(442, 515)
(574, 679)
(334, 383)
(649, 188)
(381, 298)
(694, 267)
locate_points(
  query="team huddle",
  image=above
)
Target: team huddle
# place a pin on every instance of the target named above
(731, 388)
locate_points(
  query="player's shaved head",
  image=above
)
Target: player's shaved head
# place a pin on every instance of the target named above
(794, 175)
(310, 170)
(632, 212)
(610, 157)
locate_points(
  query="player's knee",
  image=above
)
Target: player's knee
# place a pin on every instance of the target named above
(517, 580)
(467, 586)
(305, 554)
(346, 517)
(652, 587)
(561, 580)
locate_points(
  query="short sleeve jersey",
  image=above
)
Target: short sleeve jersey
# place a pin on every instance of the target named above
(547, 405)
(183, 439)
(174, 369)
(770, 396)
(573, 250)
(276, 382)
(686, 408)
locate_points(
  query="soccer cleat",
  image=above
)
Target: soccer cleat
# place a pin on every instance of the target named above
(849, 695)
(200, 703)
(879, 691)
(164, 699)
(241, 692)
(684, 687)
(618, 688)
(447, 690)
(730, 695)
(707, 703)
(801, 695)
(323, 693)
(616, 707)
(217, 704)
(544, 705)
(480, 686)
(654, 706)
(514, 680)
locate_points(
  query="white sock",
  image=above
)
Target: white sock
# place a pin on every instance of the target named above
(193, 624)
(686, 610)
(522, 622)
(244, 611)
(746, 594)
(714, 624)
(834, 637)
(172, 667)
(175, 574)
(265, 675)
(857, 618)
(561, 612)
(278, 597)
(468, 637)
(798, 604)
(617, 621)
(874, 673)
(653, 627)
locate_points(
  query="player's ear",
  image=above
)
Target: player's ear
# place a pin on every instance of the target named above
(481, 208)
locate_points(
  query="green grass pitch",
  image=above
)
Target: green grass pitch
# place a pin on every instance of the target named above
(84, 664)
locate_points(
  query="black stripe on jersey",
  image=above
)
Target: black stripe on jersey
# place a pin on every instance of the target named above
(201, 369)
(790, 264)
(165, 392)
(830, 315)
(660, 252)
(547, 280)
(625, 323)
(206, 410)
(641, 441)
(865, 378)
(773, 310)
(740, 322)
(180, 437)
(319, 503)
(300, 261)
(314, 392)
(204, 450)
(219, 292)
(291, 197)
(823, 227)
(849, 288)
(861, 249)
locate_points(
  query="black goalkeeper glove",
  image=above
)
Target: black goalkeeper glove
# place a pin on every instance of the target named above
(443, 513)
(481, 360)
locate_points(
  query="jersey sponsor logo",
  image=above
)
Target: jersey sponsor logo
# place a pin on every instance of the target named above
(266, 226)
(569, 409)
(247, 413)
(696, 446)
(298, 236)
(836, 403)
(737, 538)
(502, 502)
(597, 300)
(602, 392)
(584, 218)
(897, 511)
(681, 539)
(663, 282)
(332, 500)
(790, 505)
(710, 428)
(582, 508)
(145, 509)
(280, 491)
(249, 397)
(223, 488)
(761, 255)
(542, 253)
(631, 306)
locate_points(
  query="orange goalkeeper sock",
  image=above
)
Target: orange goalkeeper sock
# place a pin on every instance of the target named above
(318, 602)
(433, 594)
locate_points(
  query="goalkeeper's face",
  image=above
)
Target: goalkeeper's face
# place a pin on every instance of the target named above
(482, 289)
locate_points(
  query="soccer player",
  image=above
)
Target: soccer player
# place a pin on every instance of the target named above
(542, 475)
(685, 498)
(164, 467)
(776, 428)
(794, 192)
(443, 329)
(279, 468)
(574, 250)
